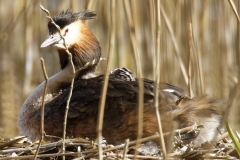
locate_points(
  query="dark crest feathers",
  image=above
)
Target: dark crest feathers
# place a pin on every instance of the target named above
(67, 17)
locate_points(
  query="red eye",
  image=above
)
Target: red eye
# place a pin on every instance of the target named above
(66, 31)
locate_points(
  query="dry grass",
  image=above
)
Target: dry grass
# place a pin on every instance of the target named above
(207, 55)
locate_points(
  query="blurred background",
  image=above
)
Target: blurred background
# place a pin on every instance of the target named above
(201, 36)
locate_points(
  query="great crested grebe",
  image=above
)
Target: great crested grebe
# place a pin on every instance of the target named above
(120, 118)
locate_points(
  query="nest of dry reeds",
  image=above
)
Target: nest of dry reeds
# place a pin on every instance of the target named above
(78, 148)
(193, 44)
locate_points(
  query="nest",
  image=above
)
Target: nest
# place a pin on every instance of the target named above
(181, 147)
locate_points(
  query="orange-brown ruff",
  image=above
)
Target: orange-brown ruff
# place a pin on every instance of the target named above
(120, 119)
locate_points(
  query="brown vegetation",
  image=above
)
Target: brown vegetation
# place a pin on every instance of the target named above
(201, 36)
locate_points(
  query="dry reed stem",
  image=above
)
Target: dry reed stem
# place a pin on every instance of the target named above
(41, 156)
(47, 147)
(138, 66)
(189, 60)
(90, 4)
(153, 31)
(199, 70)
(125, 149)
(105, 85)
(184, 72)
(72, 82)
(234, 9)
(133, 156)
(15, 140)
(221, 137)
(126, 144)
(233, 94)
(157, 74)
(42, 107)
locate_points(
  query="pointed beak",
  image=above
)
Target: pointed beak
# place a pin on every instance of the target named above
(52, 40)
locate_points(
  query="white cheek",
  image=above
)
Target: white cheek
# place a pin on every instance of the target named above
(73, 33)
(71, 37)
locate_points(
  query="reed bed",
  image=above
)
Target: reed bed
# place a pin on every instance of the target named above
(191, 44)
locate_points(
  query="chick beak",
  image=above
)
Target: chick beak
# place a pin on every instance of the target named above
(52, 39)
